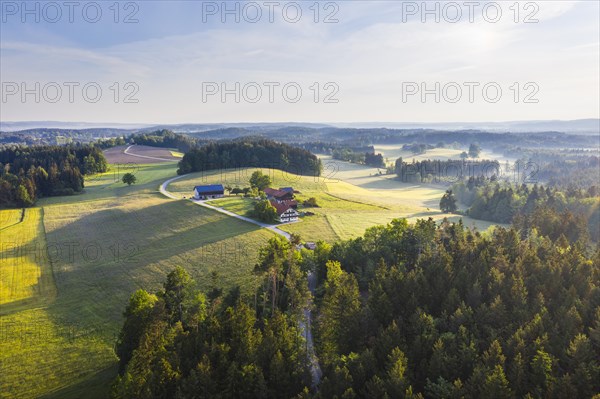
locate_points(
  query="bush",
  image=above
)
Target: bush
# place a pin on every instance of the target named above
(311, 203)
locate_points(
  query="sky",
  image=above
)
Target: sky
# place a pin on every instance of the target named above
(305, 61)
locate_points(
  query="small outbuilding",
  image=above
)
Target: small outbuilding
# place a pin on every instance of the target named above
(209, 192)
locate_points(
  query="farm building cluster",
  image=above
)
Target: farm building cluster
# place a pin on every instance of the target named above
(281, 199)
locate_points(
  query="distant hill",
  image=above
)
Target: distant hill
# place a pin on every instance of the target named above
(579, 126)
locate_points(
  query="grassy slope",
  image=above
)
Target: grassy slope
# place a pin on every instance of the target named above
(25, 273)
(114, 239)
(351, 199)
(103, 245)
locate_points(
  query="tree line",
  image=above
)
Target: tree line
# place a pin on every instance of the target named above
(501, 202)
(405, 311)
(29, 173)
(166, 139)
(250, 152)
(184, 343)
(359, 155)
(442, 312)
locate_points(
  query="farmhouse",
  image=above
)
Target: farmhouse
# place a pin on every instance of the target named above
(290, 203)
(285, 213)
(209, 192)
(279, 195)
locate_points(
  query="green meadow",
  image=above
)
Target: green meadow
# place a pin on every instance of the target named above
(69, 265)
(68, 269)
(351, 198)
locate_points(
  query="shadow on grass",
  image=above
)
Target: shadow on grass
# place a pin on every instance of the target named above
(111, 186)
(113, 248)
(95, 386)
(93, 293)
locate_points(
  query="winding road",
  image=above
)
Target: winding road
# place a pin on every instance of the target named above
(146, 156)
(305, 325)
(272, 227)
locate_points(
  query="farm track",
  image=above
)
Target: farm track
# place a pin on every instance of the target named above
(305, 325)
(146, 156)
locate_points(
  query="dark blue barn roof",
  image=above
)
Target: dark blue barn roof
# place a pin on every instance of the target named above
(211, 188)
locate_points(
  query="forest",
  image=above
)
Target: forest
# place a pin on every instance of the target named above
(165, 138)
(250, 152)
(406, 311)
(502, 202)
(353, 155)
(29, 173)
(183, 343)
(513, 145)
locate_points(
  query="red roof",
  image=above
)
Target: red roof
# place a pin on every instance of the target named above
(275, 193)
(281, 208)
(290, 203)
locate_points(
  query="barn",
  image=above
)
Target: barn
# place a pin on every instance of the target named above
(209, 192)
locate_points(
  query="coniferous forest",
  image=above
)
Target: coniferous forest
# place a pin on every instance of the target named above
(406, 311)
(250, 152)
(29, 173)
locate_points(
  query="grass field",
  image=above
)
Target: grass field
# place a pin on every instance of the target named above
(37, 352)
(141, 154)
(394, 151)
(351, 198)
(25, 271)
(238, 205)
(103, 245)
(61, 302)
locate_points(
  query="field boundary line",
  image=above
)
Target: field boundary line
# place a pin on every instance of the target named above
(16, 223)
(356, 202)
(50, 262)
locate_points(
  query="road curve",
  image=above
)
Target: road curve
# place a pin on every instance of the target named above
(272, 227)
(305, 325)
(146, 156)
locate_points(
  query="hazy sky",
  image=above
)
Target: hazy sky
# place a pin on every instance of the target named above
(352, 61)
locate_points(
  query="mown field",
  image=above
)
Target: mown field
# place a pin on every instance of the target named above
(141, 154)
(61, 306)
(351, 198)
(391, 152)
